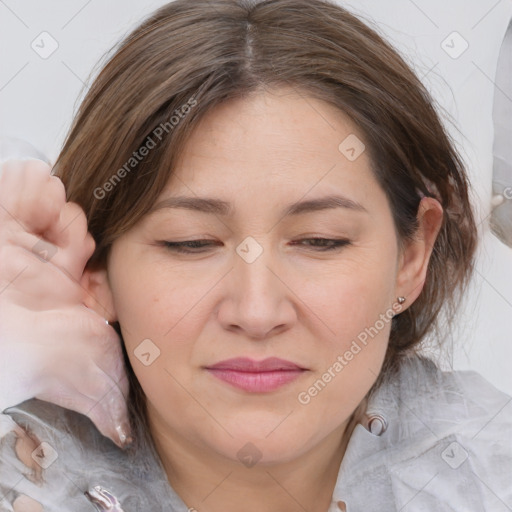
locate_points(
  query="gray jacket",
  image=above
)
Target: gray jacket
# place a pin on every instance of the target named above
(430, 441)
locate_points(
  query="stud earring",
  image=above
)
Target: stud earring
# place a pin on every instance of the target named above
(400, 300)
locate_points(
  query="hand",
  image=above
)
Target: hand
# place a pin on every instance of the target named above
(52, 346)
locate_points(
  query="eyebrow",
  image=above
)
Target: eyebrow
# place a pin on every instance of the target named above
(223, 208)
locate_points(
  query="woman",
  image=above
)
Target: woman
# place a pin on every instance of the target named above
(280, 220)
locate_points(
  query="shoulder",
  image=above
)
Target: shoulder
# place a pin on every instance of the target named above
(447, 444)
(461, 401)
(438, 406)
(55, 456)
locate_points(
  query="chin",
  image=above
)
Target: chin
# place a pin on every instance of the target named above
(251, 450)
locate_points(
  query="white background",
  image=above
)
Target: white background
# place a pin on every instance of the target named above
(38, 97)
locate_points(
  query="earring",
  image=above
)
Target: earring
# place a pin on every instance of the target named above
(106, 321)
(400, 301)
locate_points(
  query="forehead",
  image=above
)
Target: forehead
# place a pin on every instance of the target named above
(273, 146)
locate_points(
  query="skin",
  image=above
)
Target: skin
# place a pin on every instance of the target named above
(26, 504)
(261, 153)
(44, 247)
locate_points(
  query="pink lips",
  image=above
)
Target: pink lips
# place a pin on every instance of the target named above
(256, 376)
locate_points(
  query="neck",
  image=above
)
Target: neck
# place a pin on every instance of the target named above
(207, 481)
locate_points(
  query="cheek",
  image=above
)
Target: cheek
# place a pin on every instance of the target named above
(353, 301)
(351, 351)
(157, 300)
(356, 318)
(161, 312)
(350, 296)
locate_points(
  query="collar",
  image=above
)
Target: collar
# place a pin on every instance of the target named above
(428, 441)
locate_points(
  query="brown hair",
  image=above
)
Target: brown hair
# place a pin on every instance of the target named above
(190, 56)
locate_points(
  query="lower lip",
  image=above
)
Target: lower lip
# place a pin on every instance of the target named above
(256, 382)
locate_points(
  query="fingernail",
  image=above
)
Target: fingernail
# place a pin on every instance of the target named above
(124, 437)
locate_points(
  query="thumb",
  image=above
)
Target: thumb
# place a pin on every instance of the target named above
(108, 413)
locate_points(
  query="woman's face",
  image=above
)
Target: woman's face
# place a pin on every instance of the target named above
(261, 288)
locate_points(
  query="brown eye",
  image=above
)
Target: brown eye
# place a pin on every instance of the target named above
(198, 246)
(189, 246)
(325, 244)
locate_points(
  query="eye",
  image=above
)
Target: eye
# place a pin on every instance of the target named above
(189, 246)
(197, 246)
(326, 244)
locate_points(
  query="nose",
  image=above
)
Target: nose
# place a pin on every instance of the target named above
(259, 302)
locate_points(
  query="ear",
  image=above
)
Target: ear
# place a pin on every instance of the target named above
(415, 255)
(98, 294)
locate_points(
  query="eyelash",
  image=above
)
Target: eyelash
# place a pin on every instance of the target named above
(180, 247)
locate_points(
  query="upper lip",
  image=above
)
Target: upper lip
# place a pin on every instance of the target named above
(245, 364)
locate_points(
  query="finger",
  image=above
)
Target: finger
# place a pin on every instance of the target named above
(30, 195)
(110, 415)
(33, 281)
(105, 406)
(24, 503)
(75, 244)
(25, 445)
(22, 251)
(95, 384)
